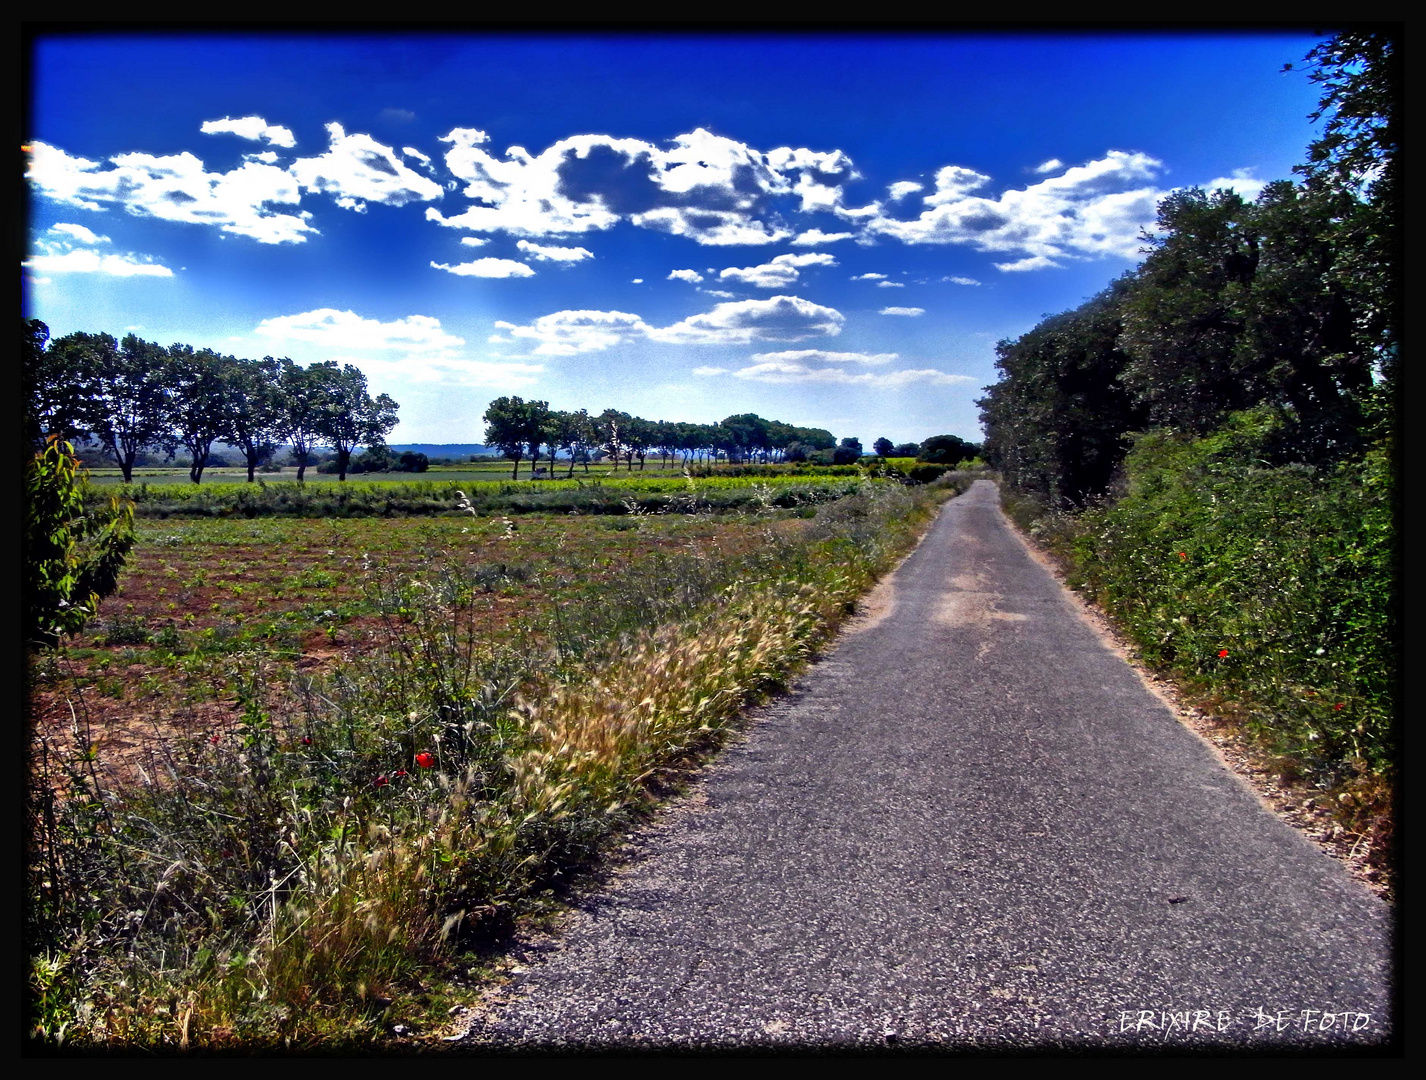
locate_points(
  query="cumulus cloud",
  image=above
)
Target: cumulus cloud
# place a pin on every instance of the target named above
(781, 272)
(782, 318)
(813, 237)
(176, 188)
(348, 330)
(902, 188)
(79, 232)
(891, 284)
(912, 311)
(869, 276)
(474, 241)
(1089, 211)
(422, 159)
(1242, 181)
(452, 370)
(487, 268)
(693, 277)
(822, 356)
(265, 157)
(1053, 165)
(85, 261)
(790, 371)
(564, 333)
(554, 254)
(723, 294)
(253, 128)
(637, 281)
(712, 189)
(958, 280)
(357, 167)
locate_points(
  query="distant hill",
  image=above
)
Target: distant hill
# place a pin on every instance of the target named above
(443, 450)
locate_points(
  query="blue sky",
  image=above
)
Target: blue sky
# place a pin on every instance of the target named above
(830, 230)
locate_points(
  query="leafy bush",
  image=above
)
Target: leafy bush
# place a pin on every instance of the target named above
(1274, 585)
(75, 543)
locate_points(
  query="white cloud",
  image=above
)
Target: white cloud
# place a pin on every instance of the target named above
(423, 159)
(1090, 211)
(474, 241)
(359, 167)
(637, 281)
(693, 277)
(176, 188)
(1242, 181)
(348, 330)
(712, 189)
(891, 284)
(869, 276)
(564, 333)
(781, 272)
(822, 356)
(902, 188)
(253, 128)
(487, 268)
(789, 372)
(1030, 262)
(266, 157)
(80, 233)
(721, 293)
(912, 311)
(456, 371)
(83, 261)
(1053, 165)
(958, 280)
(813, 237)
(782, 318)
(555, 254)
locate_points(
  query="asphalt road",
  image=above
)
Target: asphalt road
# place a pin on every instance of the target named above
(970, 827)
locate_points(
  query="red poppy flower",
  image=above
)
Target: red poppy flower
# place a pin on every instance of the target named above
(381, 781)
(306, 740)
(1222, 653)
(215, 739)
(1340, 706)
(398, 774)
(425, 760)
(1183, 554)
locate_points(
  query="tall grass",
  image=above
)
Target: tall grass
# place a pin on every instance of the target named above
(291, 883)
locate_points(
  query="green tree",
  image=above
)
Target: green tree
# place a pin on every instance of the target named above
(507, 422)
(74, 546)
(54, 383)
(255, 409)
(848, 452)
(299, 393)
(198, 382)
(883, 447)
(122, 390)
(347, 415)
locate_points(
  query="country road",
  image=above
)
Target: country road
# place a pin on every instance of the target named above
(969, 827)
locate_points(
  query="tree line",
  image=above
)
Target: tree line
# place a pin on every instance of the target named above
(520, 429)
(134, 395)
(1289, 303)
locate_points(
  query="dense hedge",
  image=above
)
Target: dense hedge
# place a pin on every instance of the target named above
(1274, 586)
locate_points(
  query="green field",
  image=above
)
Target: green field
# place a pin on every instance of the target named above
(300, 772)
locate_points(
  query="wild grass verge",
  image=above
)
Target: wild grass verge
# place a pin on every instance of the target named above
(1268, 593)
(309, 879)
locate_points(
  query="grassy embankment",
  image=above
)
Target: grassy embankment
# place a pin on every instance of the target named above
(1268, 593)
(316, 859)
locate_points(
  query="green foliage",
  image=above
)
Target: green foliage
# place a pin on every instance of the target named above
(1272, 585)
(75, 543)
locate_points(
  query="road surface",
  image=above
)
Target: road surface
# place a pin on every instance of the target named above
(970, 826)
